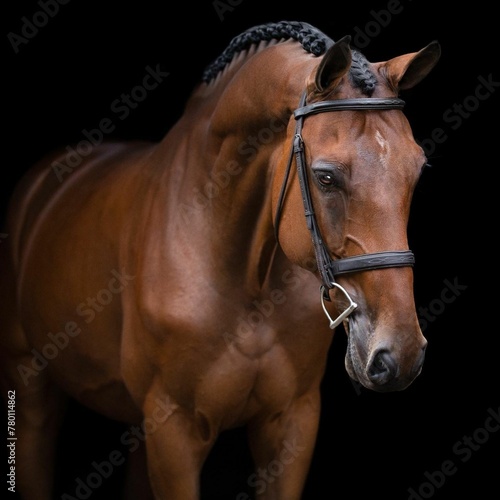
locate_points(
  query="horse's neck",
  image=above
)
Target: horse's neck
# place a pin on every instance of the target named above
(226, 147)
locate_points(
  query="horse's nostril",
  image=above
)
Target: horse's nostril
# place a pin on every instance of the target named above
(420, 360)
(382, 369)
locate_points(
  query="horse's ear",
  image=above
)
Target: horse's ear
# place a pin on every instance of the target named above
(405, 71)
(334, 65)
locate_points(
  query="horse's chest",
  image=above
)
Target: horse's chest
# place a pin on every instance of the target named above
(228, 360)
(262, 368)
(250, 375)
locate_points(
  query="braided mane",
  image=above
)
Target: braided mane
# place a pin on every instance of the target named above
(312, 40)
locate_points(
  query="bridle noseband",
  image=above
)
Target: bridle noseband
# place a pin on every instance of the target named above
(328, 268)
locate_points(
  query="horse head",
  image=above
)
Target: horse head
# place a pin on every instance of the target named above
(361, 164)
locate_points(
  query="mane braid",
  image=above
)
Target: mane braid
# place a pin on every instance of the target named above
(361, 75)
(312, 40)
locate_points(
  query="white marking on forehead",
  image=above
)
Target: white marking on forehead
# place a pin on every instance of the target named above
(381, 141)
(384, 146)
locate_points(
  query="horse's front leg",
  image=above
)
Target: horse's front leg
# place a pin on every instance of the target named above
(177, 444)
(282, 447)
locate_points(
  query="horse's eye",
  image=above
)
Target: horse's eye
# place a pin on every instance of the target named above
(326, 179)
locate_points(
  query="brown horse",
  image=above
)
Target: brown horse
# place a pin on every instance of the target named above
(175, 285)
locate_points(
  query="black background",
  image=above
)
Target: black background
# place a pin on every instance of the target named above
(369, 445)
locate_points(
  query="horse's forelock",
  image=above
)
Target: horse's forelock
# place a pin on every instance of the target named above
(361, 75)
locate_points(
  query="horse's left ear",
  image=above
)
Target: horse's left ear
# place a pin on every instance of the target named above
(404, 72)
(334, 65)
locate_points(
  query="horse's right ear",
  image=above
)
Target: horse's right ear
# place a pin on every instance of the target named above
(334, 65)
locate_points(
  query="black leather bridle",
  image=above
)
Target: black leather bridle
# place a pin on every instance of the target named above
(328, 268)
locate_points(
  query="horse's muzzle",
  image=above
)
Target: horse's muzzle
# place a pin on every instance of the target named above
(387, 366)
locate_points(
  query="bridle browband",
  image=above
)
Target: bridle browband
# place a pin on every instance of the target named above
(328, 268)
